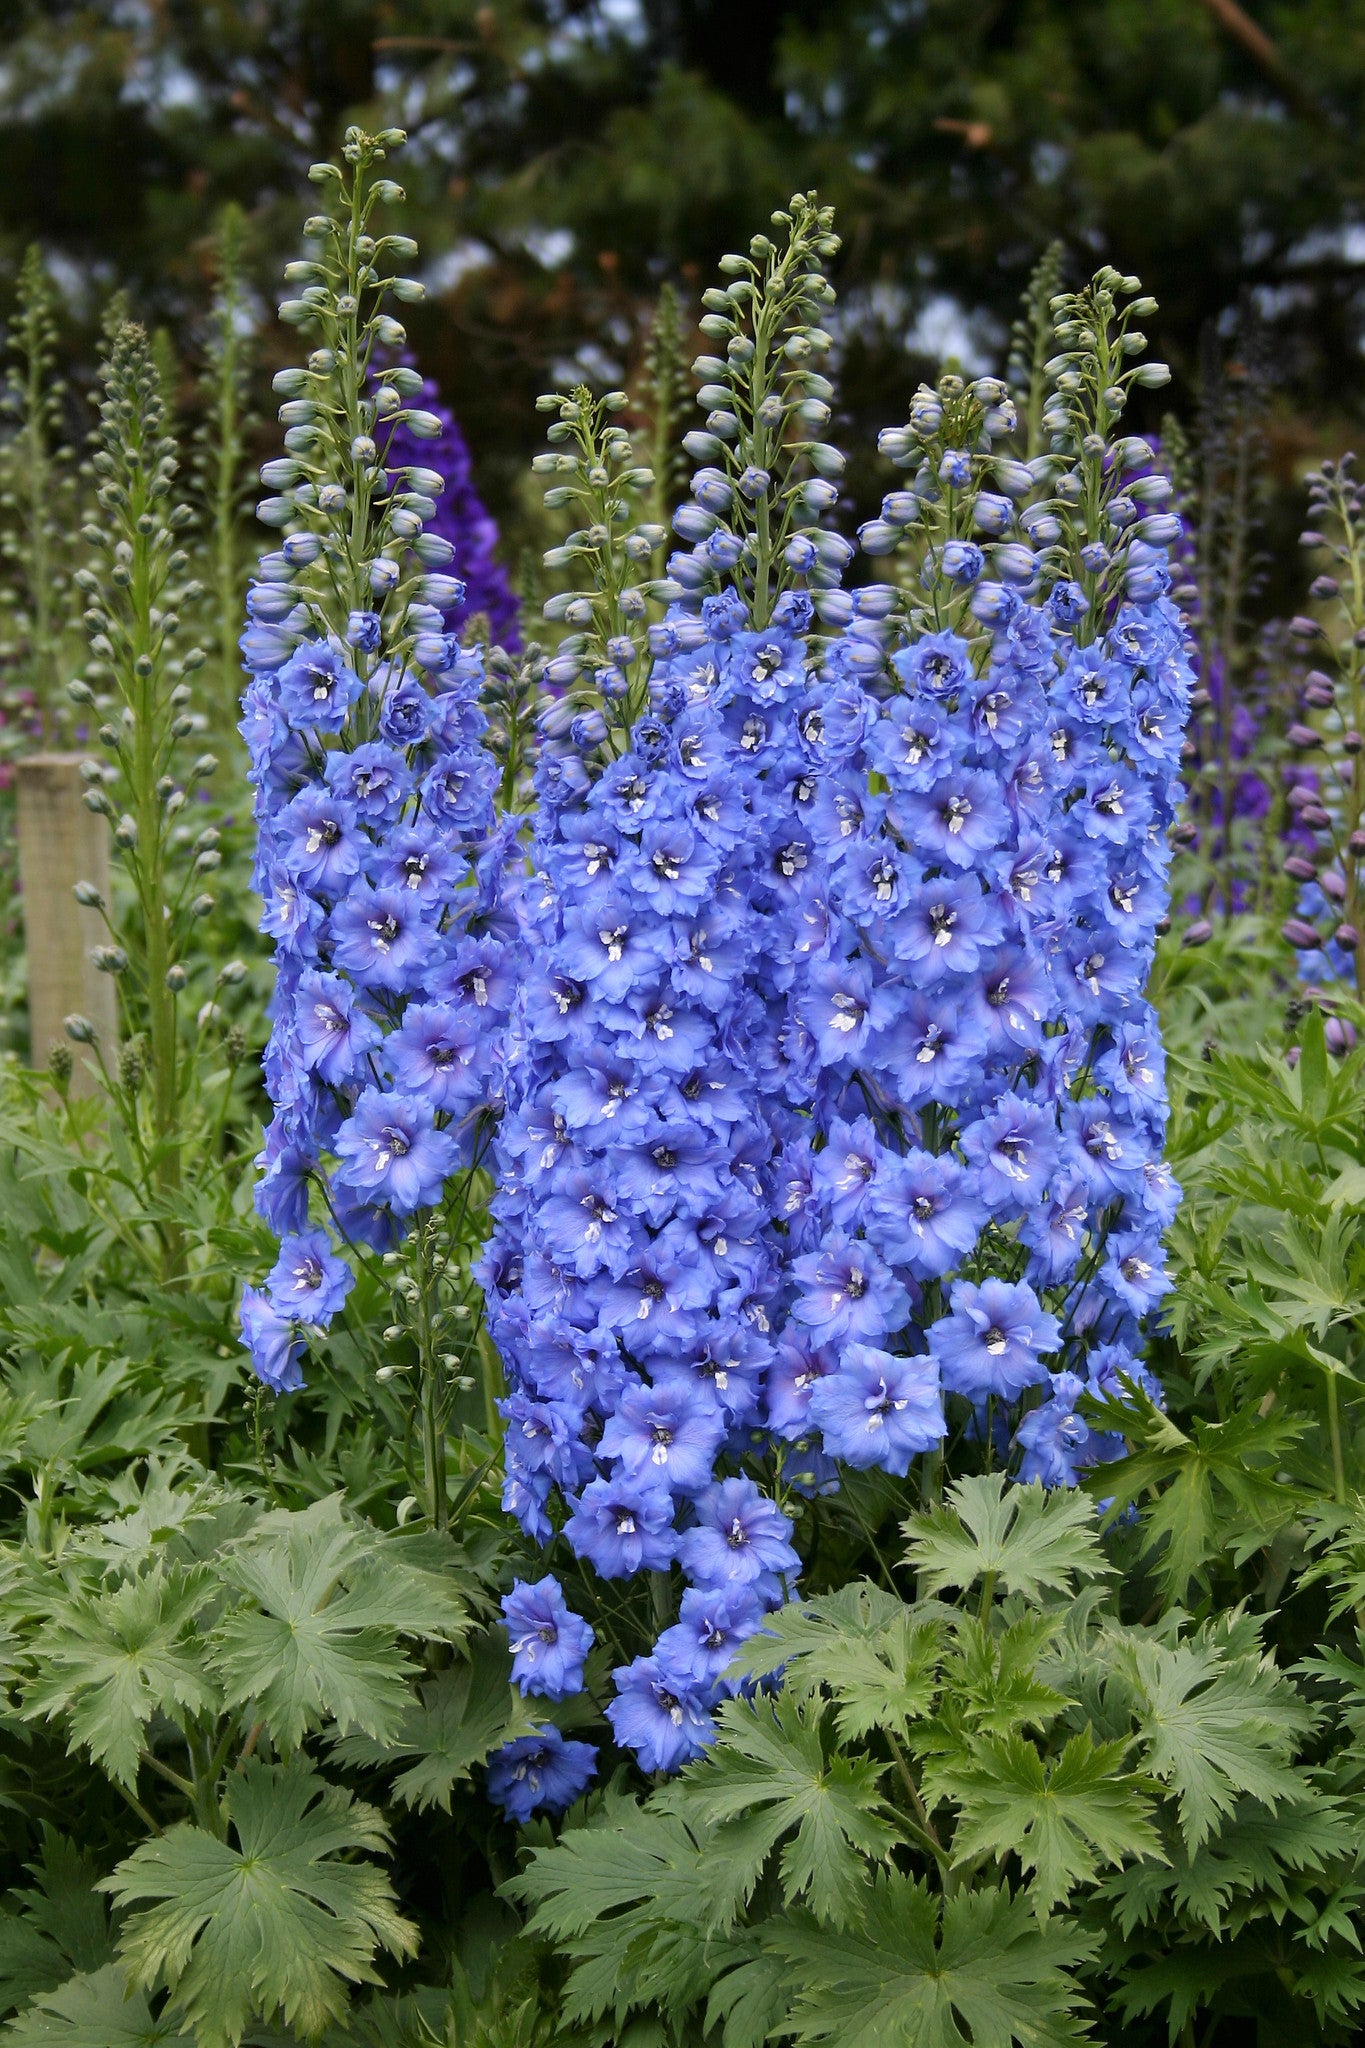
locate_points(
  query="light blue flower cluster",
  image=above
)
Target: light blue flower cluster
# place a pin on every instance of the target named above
(835, 1108)
(633, 1276)
(374, 801)
(975, 1204)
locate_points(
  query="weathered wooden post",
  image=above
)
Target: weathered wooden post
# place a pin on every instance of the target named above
(62, 843)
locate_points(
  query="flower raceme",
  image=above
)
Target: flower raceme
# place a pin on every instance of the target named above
(376, 856)
(380, 1060)
(835, 1108)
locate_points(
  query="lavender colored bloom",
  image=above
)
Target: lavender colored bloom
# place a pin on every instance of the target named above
(273, 1342)
(1135, 1270)
(320, 842)
(925, 1214)
(847, 1291)
(308, 1281)
(710, 1628)
(623, 1525)
(660, 1713)
(876, 1409)
(374, 778)
(992, 1340)
(741, 1538)
(541, 1773)
(1057, 1443)
(669, 1432)
(434, 1055)
(334, 1036)
(1012, 1148)
(379, 938)
(392, 1153)
(316, 688)
(549, 1641)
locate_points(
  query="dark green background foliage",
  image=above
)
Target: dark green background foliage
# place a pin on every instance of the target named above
(568, 154)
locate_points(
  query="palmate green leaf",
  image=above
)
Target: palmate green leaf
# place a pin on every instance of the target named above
(876, 1657)
(917, 1971)
(107, 1661)
(1021, 1538)
(631, 1901)
(274, 1926)
(1216, 1719)
(1213, 1486)
(991, 1681)
(626, 1854)
(457, 1720)
(1063, 1819)
(773, 1774)
(748, 2002)
(322, 1639)
(93, 2010)
(54, 1926)
(1186, 1979)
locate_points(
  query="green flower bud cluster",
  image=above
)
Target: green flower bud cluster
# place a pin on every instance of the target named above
(601, 663)
(768, 477)
(356, 543)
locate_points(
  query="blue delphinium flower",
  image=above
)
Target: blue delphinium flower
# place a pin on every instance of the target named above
(541, 1773)
(878, 1409)
(549, 1641)
(661, 1711)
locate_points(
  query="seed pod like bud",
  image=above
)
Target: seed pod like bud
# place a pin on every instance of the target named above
(59, 1063)
(131, 1068)
(234, 1046)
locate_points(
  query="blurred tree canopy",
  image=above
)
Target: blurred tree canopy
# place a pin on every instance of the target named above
(570, 154)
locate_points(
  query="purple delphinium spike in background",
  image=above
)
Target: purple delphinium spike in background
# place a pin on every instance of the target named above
(462, 518)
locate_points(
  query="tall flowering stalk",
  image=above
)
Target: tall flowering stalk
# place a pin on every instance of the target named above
(374, 809)
(631, 1280)
(137, 677)
(979, 1197)
(834, 1121)
(40, 494)
(1328, 797)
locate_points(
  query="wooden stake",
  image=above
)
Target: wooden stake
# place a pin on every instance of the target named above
(62, 843)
